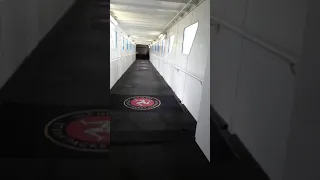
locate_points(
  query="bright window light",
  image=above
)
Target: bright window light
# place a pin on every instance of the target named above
(116, 34)
(188, 37)
(113, 36)
(163, 45)
(122, 41)
(171, 40)
(127, 43)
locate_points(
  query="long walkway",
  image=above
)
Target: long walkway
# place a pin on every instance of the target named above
(55, 114)
(159, 141)
(152, 127)
(144, 121)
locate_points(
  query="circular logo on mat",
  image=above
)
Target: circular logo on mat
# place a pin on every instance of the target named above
(142, 103)
(83, 131)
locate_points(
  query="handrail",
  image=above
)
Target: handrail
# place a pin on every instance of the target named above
(180, 69)
(291, 60)
(117, 58)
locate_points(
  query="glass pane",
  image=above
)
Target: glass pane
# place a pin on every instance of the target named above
(171, 40)
(188, 37)
(163, 45)
(122, 41)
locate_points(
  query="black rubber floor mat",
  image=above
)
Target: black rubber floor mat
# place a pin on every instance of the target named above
(152, 121)
(135, 91)
(151, 137)
(145, 103)
(170, 161)
(151, 127)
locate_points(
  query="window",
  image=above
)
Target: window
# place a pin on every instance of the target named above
(127, 43)
(113, 36)
(188, 37)
(171, 40)
(122, 41)
(116, 34)
(163, 45)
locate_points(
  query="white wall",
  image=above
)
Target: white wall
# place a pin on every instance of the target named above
(252, 88)
(203, 124)
(23, 23)
(120, 59)
(186, 73)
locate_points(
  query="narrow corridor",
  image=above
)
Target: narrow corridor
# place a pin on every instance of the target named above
(60, 119)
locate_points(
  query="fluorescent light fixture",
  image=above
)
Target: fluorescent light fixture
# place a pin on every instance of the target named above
(160, 36)
(113, 21)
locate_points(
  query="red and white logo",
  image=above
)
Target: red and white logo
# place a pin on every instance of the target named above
(85, 131)
(142, 103)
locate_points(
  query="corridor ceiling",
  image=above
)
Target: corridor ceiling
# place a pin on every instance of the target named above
(145, 20)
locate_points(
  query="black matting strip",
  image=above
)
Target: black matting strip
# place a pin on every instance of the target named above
(142, 78)
(152, 121)
(178, 160)
(150, 137)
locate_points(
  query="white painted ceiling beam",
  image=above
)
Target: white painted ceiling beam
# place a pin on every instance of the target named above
(177, 1)
(128, 24)
(143, 11)
(143, 6)
(115, 13)
(140, 22)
